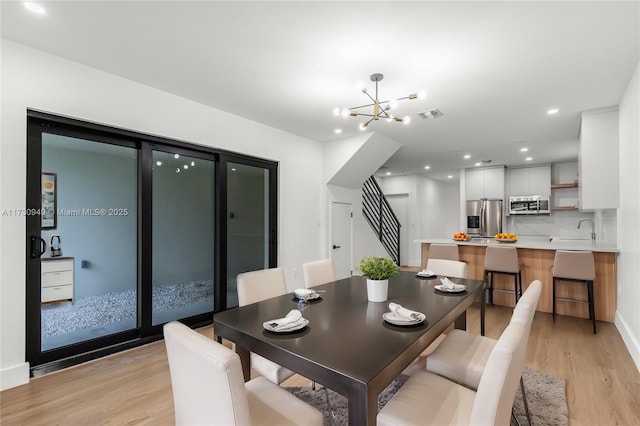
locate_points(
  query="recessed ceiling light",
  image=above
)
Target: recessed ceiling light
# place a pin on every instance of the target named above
(427, 167)
(524, 149)
(528, 158)
(337, 131)
(450, 177)
(467, 156)
(478, 164)
(388, 173)
(34, 7)
(553, 111)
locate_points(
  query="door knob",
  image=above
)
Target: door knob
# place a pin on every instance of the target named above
(335, 247)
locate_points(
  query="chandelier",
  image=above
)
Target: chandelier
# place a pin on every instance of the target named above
(381, 109)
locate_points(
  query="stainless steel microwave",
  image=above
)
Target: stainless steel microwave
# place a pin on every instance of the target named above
(529, 204)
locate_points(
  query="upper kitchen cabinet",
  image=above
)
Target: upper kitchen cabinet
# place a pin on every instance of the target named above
(485, 183)
(598, 162)
(534, 180)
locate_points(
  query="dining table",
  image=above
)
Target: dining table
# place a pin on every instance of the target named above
(347, 345)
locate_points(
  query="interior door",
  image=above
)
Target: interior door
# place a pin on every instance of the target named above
(342, 239)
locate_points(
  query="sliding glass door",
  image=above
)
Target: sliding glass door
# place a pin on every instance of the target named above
(249, 203)
(130, 231)
(183, 236)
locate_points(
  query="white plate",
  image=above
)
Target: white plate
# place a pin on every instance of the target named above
(391, 318)
(312, 296)
(267, 326)
(445, 289)
(425, 275)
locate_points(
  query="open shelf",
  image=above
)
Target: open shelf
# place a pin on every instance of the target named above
(564, 185)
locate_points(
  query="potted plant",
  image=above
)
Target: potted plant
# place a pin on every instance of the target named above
(377, 270)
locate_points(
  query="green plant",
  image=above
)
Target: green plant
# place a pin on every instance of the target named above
(378, 268)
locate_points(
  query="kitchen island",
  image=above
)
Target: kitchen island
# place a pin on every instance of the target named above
(536, 256)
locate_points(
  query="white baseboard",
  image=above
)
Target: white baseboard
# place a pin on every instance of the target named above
(14, 376)
(633, 346)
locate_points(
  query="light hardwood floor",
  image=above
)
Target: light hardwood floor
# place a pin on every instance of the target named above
(134, 388)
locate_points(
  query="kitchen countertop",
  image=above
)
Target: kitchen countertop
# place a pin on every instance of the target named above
(541, 243)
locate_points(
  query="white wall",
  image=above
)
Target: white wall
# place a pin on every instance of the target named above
(34, 79)
(433, 208)
(628, 315)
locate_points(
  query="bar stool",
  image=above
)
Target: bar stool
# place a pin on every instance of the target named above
(444, 251)
(502, 260)
(575, 266)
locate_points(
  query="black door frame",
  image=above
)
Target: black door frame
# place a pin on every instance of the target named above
(42, 122)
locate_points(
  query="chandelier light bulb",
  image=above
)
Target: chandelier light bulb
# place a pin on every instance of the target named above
(360, 86)
(393, 104)
(422, 94)
(159, 163)
(336, 111)
(363, 126)
(345, 113)
(177, 169)
(186, 166)
(176, 156)
(406, 119)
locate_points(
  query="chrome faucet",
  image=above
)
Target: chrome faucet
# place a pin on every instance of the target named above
(593, 227)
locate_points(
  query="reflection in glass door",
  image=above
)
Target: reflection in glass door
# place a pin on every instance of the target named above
(248, 223)
(89, 269)
(183, 236)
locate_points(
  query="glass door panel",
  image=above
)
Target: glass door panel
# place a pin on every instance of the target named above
(248, 221)
(89, 270)
(183, 236)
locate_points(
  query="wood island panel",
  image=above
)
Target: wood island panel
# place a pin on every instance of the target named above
(537, 264)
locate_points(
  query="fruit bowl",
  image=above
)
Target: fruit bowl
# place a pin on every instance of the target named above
(506, 238)
(461, 236)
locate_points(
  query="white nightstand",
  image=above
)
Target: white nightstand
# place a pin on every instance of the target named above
(56, 279)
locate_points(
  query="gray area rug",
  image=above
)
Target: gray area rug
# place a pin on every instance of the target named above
(94, 311)
(545, 394)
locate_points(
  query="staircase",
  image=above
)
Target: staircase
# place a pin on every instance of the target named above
(385, 224)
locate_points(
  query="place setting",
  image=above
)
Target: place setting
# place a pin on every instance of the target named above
(403, 317)
(426, 273)
(306, 295)
(292, 322)
(448, 286)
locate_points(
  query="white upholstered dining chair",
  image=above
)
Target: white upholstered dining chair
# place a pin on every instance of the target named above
(449, 268)
(429, 399)
(463, 356)
(318, 272)
(256, 286)
(209, 388)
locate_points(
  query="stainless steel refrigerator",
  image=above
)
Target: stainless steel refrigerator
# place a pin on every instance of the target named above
(484, 217)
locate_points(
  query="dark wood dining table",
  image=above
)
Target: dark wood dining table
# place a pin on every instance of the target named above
(347, 345)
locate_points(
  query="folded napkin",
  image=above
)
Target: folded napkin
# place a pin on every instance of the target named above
(293, 319)
(447, 283)
(404, 313)
(426, 273)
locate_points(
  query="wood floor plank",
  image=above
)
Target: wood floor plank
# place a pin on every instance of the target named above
(134, 387)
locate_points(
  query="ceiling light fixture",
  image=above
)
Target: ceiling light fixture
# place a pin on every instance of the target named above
(34, 7)
(553, 111)
(524, 149)
(427, 167)
(467, 156)
(528, 159)
(381, 109)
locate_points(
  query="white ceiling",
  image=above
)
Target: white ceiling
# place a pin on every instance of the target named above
(492, 68)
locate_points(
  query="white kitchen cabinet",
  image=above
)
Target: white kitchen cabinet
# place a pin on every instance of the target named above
(56, 279)
(485, 183)
(535, 180)
(598, 162)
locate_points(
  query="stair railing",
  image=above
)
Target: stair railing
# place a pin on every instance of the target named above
(378, 212)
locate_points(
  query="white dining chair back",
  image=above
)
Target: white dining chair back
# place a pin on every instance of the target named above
(501, 377)
(206, 379)
(209, 389)
(526, 307)
(318, 272)
(430, 399)
(256, 286)
(449, 268)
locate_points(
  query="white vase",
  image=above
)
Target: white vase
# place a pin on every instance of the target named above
(377, 290)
